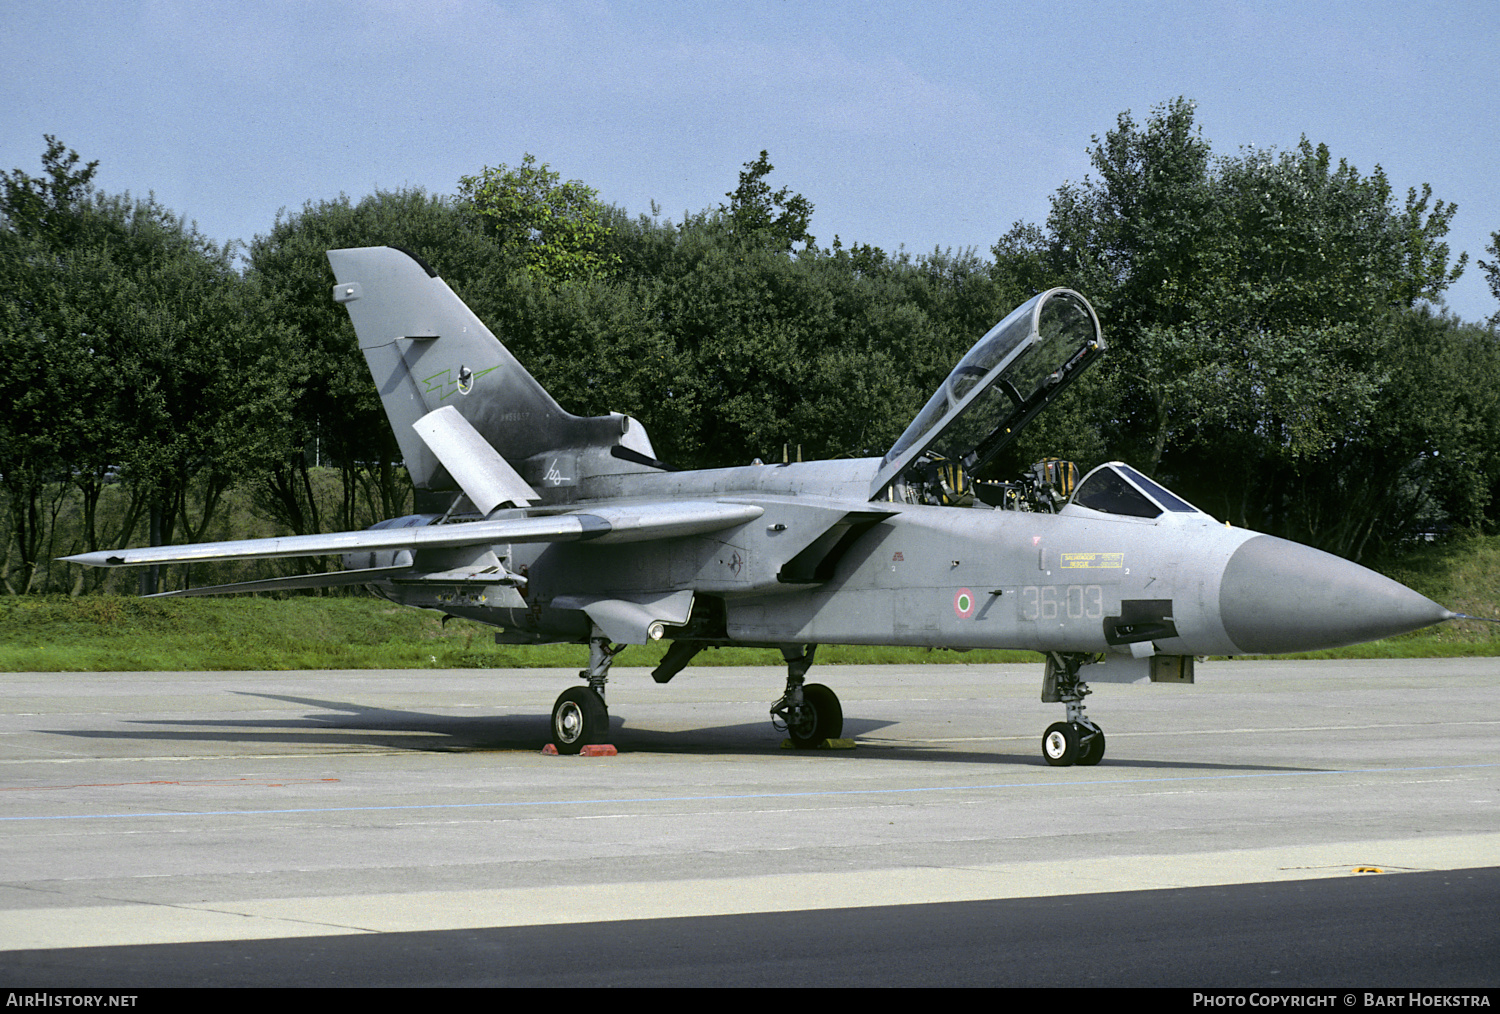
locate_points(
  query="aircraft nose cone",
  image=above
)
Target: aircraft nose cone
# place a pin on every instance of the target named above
(1277, 596)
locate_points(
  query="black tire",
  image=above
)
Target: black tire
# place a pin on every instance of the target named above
(578, 718)
(1060, 746)
(1092, 752)
(822, 719)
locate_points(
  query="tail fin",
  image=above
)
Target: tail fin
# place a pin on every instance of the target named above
(427, 350)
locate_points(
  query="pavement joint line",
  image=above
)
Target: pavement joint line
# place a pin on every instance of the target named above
(199, 758)
(1175, 733)
(751, 795)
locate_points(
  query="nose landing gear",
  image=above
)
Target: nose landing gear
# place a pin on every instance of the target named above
(1077, 740)
(808, 712)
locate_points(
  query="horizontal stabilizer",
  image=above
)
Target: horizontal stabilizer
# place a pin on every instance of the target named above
(633, 523)
(485, 477)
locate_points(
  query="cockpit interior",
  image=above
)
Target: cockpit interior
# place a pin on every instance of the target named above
(1007, 377)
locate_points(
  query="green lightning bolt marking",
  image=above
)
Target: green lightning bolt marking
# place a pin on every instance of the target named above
(445, 386)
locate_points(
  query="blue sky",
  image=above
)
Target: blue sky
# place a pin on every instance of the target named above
(924, 124)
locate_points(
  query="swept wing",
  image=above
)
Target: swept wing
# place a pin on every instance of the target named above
(612, 524)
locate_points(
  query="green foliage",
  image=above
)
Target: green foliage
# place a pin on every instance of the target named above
(1463, 573)
(334, 415)
(1256, 307)
(45, 207)
(558, 229)
(1273, 354)
(1491, 271)
(758, 352)
(128, 347)
(778, 219)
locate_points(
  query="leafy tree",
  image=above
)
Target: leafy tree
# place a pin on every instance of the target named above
(832, 351)
(46, 207)
(204, 378)
(1132, 242)
(335, 416)
(1424, 454)
(39, 430)
(558, 229)
(1024, 257)
(1308, 274)
(1248, 301)
(1491, 271)
(758, 214)
(129, 347)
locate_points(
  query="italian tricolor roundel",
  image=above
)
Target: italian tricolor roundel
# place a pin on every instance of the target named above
(963, 603)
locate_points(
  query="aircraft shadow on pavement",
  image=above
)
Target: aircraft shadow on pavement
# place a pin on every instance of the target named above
(344, 723)
(350, 724)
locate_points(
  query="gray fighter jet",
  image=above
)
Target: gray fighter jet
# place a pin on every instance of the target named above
(558, 528)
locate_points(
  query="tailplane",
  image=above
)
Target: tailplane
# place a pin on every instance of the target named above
(427, 350)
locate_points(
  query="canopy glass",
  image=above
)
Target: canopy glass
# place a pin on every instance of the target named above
(1006, 378)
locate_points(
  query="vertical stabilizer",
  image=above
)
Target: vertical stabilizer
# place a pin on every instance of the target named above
(427, 350)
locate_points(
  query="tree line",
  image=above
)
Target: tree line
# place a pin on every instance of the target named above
(1275, 355)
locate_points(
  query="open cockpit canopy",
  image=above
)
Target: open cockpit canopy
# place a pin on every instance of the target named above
(1009, 375)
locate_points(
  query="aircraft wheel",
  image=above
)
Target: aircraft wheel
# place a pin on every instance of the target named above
(1093, 751)
(578, 718)
(822, 717)
(1060, 747)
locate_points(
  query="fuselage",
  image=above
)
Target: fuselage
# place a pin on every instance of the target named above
(823, 565)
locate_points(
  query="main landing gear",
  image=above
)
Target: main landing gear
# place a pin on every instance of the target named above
(809, 713)
(580, 716)
(1077, 740)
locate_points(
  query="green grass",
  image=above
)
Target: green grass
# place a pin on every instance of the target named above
(114, 633)
(1462, 573)
(118, 633)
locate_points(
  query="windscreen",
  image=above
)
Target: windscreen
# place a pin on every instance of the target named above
(1116, 488)
(1171, 501)
(1106, 490)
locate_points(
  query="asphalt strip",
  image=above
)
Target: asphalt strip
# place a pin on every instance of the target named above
(281, 918)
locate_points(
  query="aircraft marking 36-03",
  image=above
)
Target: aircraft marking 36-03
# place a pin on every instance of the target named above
(559, 528)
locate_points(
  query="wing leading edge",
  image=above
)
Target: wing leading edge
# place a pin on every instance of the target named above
(614, 524)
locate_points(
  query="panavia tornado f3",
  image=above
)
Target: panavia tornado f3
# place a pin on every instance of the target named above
(559, 528)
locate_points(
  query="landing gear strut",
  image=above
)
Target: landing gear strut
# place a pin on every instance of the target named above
(809, 713)
(1077, 740)
(580, 716)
